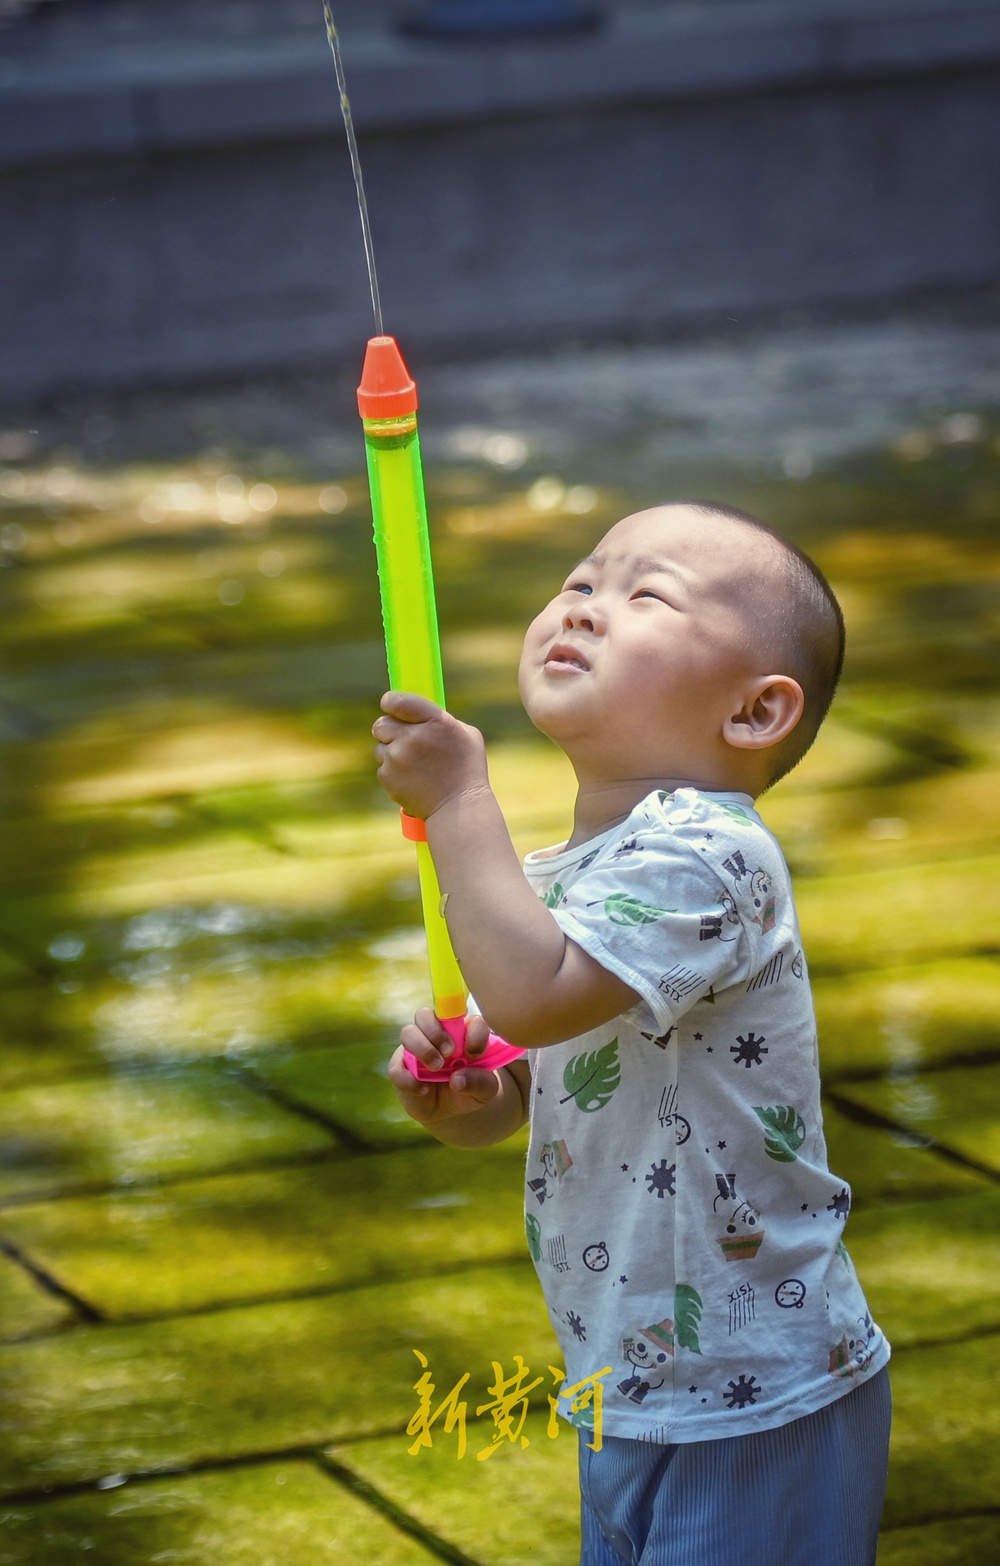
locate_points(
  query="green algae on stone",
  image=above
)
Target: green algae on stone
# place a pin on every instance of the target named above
(26, 1307)
(187, 734)
(958, 1109)
(928, 1267)
(880, 1166)
(517, 1503)
(899, 1018)
(888, 917)
(283, 1513)
(345, 1081)
(957, 1542)
(119, 1128)
(427, 1210)
(884, 824)
(109, 1399)
(946, 1427)
(244, 1002)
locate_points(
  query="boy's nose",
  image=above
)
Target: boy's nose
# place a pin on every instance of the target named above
(582, 619)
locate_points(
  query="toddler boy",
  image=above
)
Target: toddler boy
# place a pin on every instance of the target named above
(682, 1218)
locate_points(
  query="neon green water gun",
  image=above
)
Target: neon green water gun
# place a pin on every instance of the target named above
(387, 402)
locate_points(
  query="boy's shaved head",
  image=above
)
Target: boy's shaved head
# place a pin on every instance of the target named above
(796, 622)
(740, 660)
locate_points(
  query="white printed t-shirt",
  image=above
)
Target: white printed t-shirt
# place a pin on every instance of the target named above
(679, 1209)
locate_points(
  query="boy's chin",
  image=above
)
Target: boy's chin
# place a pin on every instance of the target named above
(557, 726)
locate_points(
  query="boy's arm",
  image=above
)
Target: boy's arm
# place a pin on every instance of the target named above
(535, 985)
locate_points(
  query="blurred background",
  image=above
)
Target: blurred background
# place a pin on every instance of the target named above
(740, 249)
(177, 180)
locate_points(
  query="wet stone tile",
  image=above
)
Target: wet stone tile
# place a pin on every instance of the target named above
(953, 1543)
(517, 1503)
(349, 1222)
(879, 825)
(941, 1395)
(348, 1083)
(928, 1268)
(882, 1167)
(889, 917)
(139, 1126)
(25, 1306)
(108, 1399)
(267, 1514)
(168, 1010)
(47, 1023)
(960, 1108)
(901, 1017)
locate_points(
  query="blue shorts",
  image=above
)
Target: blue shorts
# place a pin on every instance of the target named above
(809, 1493)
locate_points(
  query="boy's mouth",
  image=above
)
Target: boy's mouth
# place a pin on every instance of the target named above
(563, 656)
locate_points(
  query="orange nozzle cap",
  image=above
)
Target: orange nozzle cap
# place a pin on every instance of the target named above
(387, 390)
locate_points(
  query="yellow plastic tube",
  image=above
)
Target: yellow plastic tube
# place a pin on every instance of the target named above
(387, 402)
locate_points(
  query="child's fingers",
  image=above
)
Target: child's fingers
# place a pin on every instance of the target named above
(408, 707)
(473, 1086)
(406, 1084)
(477, 1034)
(418, 1044)
(465, 1091)
(431, 1026)
(427, 1039)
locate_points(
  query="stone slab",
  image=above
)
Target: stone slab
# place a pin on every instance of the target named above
(893, 916)
(332, 1227)
(959, 1109)
(25, 1306)
(125, 1399)
(886, 821)
(266, 1514)
(951, 1543)
(883, 1168)
(168, 1010)
(951, 1474)
(927, 1269)
(347, 1081)
(117, 1129)
(926, 1480)
(519, 1502)
(901, 1017)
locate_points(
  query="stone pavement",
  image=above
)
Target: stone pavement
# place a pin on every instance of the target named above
(219, 1243)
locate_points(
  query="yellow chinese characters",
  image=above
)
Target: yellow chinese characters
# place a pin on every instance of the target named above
(508, 1407)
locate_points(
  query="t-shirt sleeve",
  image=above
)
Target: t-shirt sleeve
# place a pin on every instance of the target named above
(651, 911)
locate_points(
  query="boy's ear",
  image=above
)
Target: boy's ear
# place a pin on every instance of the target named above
(772, 707)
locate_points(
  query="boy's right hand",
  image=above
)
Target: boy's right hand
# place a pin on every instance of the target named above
(466, 1090)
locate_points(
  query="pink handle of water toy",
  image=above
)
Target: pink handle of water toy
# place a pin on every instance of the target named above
(496, 1054)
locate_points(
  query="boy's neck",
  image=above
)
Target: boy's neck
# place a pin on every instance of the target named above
(601, 805)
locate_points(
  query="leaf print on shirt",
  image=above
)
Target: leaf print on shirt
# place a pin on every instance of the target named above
(736, 811)
(554, 895)
(687, 1316)
(787, 1131)
(591, 1079)
(621, 908)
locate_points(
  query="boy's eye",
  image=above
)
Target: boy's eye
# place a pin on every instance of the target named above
(579, 587)
(647, 592)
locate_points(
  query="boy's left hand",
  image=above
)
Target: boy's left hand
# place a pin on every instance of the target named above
(425, 756)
